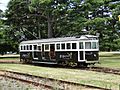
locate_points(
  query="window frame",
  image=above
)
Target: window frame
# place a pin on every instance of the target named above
(95, 43)
(57, 45)
(89, 45)
(46, 48)
(62, 47)
(82, 45)
(69, 46)
(75, 45)
(35, 48)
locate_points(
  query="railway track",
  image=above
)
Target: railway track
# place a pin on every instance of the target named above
(25, 78)
(10, 61)
(48, 83)
(96, 69)
(104, 70)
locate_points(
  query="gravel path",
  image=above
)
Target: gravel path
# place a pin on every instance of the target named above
(10, 84)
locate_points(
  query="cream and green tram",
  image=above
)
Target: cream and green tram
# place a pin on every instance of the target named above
(82, 50)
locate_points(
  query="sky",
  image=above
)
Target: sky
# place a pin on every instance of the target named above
(3, 4)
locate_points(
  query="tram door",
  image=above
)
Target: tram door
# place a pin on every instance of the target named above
(52, 52)
(43, 52)
(81, 55)
(35, 53)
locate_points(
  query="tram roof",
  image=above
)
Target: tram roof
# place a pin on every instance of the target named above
(60, 39)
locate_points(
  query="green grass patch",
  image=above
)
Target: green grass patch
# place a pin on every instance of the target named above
(9, 57)
(110, 62)
(109, 54)
(109, 59)
(110, 81)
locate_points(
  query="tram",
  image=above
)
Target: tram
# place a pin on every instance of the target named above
(80, 50)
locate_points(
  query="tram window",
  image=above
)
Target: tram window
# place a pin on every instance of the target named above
(21, 48)
(58, 46)
(30, 47)
(63, 46)
(39, 48)
(87, 45)
(35, 47)
(27, 47)
(68, 45)
(81, 45)
(24, 47)
(46, 46)
(35, 54)
(94, 45)
(73, 45)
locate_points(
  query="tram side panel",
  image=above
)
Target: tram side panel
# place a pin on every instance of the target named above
(26, 56)
(91, 55)
(63, 56)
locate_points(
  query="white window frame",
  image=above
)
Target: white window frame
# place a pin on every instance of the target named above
(48, 47)
(56, 47)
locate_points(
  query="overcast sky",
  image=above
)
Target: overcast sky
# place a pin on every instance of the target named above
(3, 4)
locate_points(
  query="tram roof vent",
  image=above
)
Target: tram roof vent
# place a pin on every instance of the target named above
(78, 36)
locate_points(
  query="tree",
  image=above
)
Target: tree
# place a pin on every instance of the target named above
(100, 20)
(21, 20)
(35, 19)
(51, 11)
(5, 44)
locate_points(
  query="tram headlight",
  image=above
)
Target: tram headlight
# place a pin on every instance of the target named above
(94, 55)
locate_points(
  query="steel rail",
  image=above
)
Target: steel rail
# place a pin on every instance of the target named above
(31, 82)
(104, 70)
(10, 62)
(51, 79)
(97, 69)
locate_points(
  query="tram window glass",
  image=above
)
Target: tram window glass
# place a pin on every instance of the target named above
(27, 47)
(63, 46)
(35, 54)
(81, 45)
(68, 46)
(57, 46)
(94, 45)
(73, 45)
(39, 48)
(35, 47)
(87, 45)
(30, 47)
(46, 46)
(24, 47)
(21, 48)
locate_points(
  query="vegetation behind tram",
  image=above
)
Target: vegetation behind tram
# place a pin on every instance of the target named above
(38, 19)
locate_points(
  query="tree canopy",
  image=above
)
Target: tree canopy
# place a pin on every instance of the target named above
(35, 19)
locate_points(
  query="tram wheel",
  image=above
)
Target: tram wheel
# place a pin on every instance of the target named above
(72, 64)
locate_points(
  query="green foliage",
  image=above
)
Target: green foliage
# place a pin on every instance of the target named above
(35, 19)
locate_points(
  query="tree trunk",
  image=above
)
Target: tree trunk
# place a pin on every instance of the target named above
(39, 31)
(39, 34)
(38, 27)
(50, 32)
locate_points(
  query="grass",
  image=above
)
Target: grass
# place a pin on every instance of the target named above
(110, 60)
(74, 75)
(110, 81)
(9, 57)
